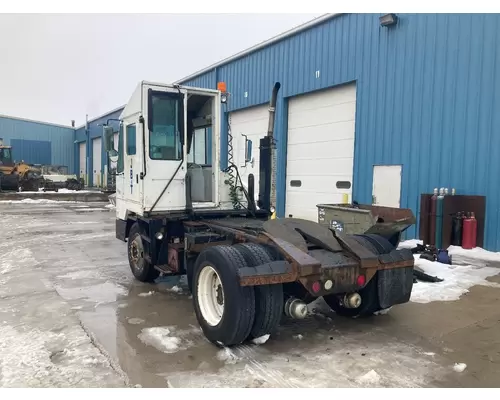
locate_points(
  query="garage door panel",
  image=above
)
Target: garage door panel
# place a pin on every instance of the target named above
(313, 184)
(322, 133)
(323, 116)
(343, 166)
(321, 150)
(311, 101)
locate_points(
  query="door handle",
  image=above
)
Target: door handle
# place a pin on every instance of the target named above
(136, 178)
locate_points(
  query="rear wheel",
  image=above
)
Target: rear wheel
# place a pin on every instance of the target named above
(369, 294)
(141, 269)
(268, 298)
(224, 309)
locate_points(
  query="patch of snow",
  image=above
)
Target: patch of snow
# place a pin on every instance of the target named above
(110, 206)
(135, 321)
(370, 378)
(146, 294)
(477, 256)
(37, 201)
(459, 367)
(409, 244)
(383, 312)
(457, 281)
(37, 358)
(261, 339)
(394, 365)
(161, 338)
(429, 353)
(175, 289)
(299, 337)
(228, 356)
(102, 293)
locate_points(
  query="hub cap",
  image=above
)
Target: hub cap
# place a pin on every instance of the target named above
(137, 254)
(210, 295)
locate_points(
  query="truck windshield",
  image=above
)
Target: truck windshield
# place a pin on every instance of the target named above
(5, 156)
(165, 130)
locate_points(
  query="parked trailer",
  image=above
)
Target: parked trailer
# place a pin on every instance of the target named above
(244, 269)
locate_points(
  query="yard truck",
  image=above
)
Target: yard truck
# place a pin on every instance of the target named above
(246, 270)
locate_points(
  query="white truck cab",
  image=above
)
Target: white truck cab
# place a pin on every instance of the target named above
(154, 147)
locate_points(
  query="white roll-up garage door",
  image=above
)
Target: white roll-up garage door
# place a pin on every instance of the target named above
(83, 160)
(96, 162)
(251, 122)
(320, 150)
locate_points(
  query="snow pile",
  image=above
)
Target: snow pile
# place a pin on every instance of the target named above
(110, 206)
(135, 321)
(35, 358)
(228, 356)
(457, 280)
(164, 340)
(459, 367)
(409, 244)
(370, 378)
(175, 289)
(477, 256)
(261, 340)
(146, 294)
(36, 201)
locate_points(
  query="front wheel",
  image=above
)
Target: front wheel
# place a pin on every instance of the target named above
(141, 269)
(224, 309)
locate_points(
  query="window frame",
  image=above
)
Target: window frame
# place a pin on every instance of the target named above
(133, 124)
(179, 135)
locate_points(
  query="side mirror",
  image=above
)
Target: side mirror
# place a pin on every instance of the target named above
(108, 136)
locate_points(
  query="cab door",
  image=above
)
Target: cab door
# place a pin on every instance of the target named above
(133, 163)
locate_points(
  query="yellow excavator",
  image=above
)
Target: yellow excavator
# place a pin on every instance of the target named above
(17, 176)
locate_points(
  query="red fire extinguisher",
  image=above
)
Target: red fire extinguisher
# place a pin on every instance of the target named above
(469, 232)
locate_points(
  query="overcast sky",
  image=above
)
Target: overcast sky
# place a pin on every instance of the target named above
(60, 67)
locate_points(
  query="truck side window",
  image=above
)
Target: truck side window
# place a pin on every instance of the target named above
(131, 140)
(166, 129)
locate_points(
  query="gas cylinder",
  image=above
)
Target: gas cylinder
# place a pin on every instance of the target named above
(432, 218)
(469, 234)
(456, 229)
(439, 219)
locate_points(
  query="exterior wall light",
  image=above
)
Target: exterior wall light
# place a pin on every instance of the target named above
(388, 19)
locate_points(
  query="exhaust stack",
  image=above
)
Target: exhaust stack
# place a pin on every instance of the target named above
(267, 191)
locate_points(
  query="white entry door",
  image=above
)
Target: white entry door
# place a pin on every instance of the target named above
(96, 162)
(387, 185)
(83, 161)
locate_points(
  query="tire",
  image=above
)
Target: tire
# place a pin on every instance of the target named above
(369, 294)
(268, 298)
(225, 323)
(141, 269)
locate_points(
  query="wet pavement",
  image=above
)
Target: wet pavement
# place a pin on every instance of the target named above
(72, 316)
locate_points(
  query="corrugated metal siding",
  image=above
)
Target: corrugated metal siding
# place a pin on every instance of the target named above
(95, 130)
(29, 133)
(36, 151)
(427, 89)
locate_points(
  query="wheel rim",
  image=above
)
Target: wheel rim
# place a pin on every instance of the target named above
(137, 254)
(210, 295)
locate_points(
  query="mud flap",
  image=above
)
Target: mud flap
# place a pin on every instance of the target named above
(395, 285)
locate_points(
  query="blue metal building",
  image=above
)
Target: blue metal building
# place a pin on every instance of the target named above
(38, 142)
(90, 160)
(426, 91)
(399, 109)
